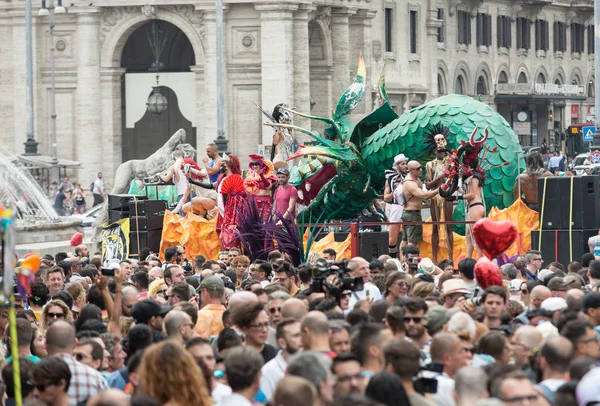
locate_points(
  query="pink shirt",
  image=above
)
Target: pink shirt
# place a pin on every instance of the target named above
(282, 199)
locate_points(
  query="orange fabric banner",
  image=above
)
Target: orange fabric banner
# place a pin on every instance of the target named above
(342, 249)
(196, 234)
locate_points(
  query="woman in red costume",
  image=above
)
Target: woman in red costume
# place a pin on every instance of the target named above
(259, 181)
(230, 199)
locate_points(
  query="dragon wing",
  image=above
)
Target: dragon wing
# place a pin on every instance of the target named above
(460, 114)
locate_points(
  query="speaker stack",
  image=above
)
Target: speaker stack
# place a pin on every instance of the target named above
(371, 245)
(145, 220)
(571, 215)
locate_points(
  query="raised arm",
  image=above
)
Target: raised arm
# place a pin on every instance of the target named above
(417, 192)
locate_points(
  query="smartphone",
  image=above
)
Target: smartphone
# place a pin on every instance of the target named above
(108, 272)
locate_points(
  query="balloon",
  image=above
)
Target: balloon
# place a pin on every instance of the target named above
(487, 273)
(494, 237)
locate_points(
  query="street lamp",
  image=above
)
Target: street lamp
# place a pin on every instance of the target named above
(50, 11)
(30, 144)
(157, 102)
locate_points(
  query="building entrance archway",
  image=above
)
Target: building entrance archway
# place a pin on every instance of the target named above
(142, 133)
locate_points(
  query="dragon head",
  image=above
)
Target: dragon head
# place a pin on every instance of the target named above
(338, 151)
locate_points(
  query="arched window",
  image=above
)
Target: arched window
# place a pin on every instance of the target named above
(576, 80)
(482, 88)
(522, 78)
(441, 84)
(591, 88)
(541, 79)
(502, 77)
(459, 86)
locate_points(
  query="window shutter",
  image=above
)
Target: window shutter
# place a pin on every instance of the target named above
(468, 18)
(489, 31)
(555, 32)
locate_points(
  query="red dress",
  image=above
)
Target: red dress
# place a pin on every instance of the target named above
(231, 201)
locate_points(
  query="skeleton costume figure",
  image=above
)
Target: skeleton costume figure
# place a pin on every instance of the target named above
(259, 182)
(441, 209)
(283, 140)
(466, 164)
(394, 177)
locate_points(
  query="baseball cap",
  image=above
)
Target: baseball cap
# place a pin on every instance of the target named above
(283, 171)
(557, 282)
(146, 309)
(212, 282)
(400, 158)
(543, 274)
(515, 285)
(590, 301)
(554, 304)
(436, 317)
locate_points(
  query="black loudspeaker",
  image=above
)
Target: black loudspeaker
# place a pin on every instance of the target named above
(150, 239)
(556, 244)
(121, 202)
(116, 215)
(551, 200)
(371, 245)
(145, 223)
(145, 207)
(583, 210)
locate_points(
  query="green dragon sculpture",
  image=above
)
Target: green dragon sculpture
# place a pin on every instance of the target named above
(344, 172)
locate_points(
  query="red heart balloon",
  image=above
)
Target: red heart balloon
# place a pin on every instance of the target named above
(487, 273)
(494, 237)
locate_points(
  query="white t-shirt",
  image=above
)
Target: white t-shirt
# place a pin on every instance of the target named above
(220, 391)
(98, 187)
(362, 294)
(271, 373)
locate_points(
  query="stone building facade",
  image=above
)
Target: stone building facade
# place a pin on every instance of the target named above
(298, 52)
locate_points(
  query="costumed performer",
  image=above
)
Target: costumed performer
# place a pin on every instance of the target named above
(204, 201)
(259, 182)
(441, 209)
(283, 140)
(394, 177)
(528, 181)
(175, 173)
(231, 199)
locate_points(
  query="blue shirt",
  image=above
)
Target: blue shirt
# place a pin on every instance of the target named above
(31, 357)
(213, 178)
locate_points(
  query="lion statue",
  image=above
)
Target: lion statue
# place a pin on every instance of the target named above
(138, 169)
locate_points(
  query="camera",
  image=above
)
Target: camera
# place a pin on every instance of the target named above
(187, 267)
(425, 385)
(330, 278)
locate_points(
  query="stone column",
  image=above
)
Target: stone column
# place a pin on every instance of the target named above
(18, 99)
(209, 134)
(340, 44)
(89, 116)
(201, 140)
(428, 56)
(110, 93)
(302, 68)
(277, 57)
(360, 41)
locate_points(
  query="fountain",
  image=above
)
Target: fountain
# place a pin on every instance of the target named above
(38, 226)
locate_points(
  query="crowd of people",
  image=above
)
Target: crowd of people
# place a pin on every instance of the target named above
(70, 198)
(231, 331)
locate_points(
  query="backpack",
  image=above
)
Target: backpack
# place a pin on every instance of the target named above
(546, 392)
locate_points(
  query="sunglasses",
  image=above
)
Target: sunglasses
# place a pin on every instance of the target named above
(524, 291)
(417, 320)
(55, 315)
(79, 356)
(42, 386)
(344, 295)
(272, 310)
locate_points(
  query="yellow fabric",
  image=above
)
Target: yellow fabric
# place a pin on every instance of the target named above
(524, 218)
(210, 321)
(342, 249)
(196, 234)
(115, 240)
